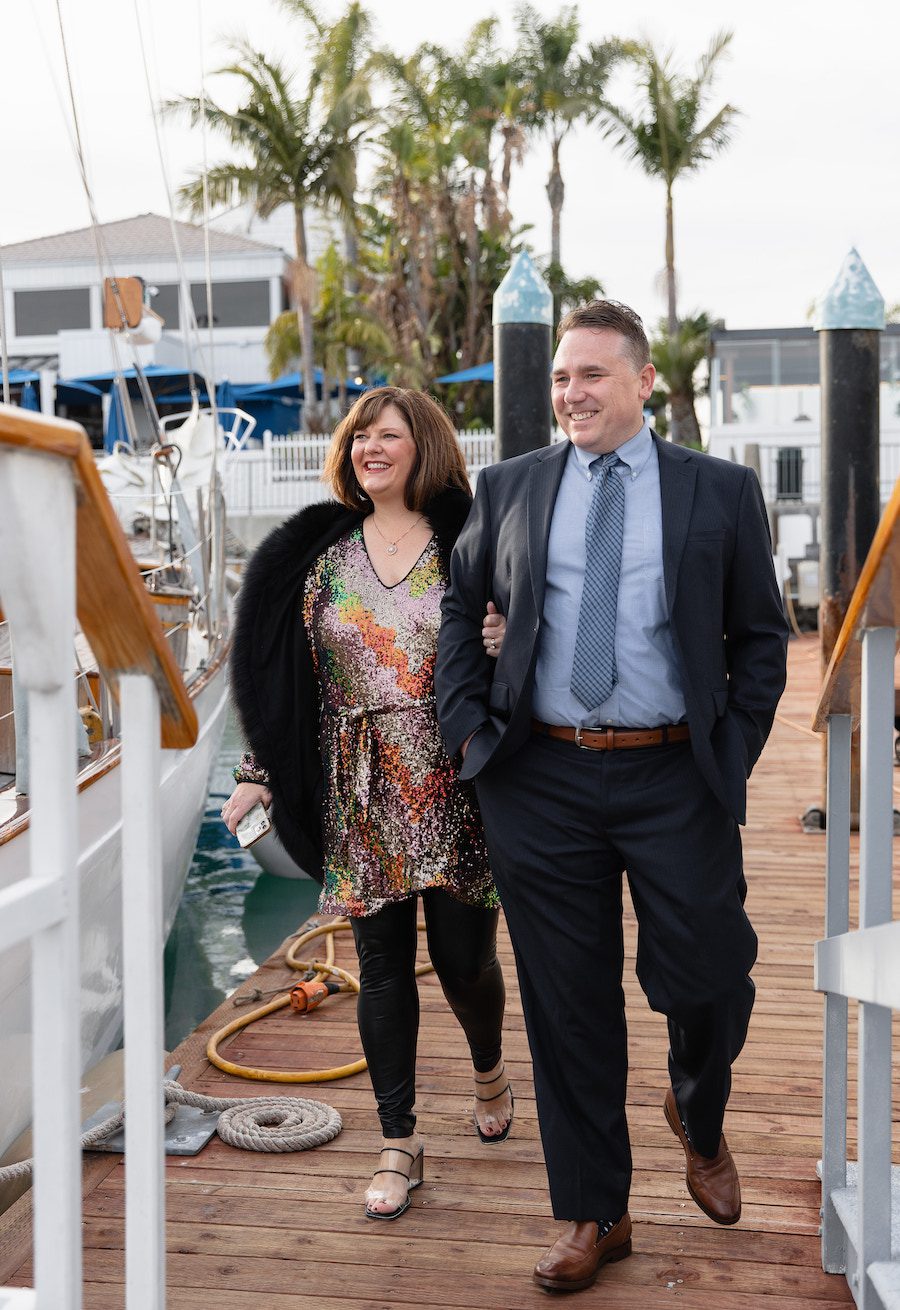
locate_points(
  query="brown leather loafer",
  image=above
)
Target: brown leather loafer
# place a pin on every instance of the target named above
(576, 1257)
(713, 1183)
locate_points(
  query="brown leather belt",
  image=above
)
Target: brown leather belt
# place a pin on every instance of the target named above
(613, 739)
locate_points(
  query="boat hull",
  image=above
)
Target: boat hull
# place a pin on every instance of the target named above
(183, 793)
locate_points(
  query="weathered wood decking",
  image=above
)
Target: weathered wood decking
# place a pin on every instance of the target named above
(290, 1228)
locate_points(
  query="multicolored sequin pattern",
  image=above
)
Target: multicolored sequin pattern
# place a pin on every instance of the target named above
(396, 817)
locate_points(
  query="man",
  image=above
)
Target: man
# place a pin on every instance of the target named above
(643, 661)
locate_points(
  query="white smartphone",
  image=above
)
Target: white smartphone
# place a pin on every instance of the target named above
(253, 825)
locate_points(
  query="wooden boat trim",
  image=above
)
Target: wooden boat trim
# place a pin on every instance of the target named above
(114, 610)
(875, 603)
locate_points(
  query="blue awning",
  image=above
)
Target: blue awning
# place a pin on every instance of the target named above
(161, 378)
(29, 398)
(77, 393)
(116, 426)
(480, 373)
(19, 376)
(291, 385)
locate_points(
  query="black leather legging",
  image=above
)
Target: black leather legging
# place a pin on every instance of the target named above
(462, 946)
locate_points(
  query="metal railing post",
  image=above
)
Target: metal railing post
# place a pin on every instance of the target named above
(875, 867)
(834, 1052)
(142, 924)
(40, 603)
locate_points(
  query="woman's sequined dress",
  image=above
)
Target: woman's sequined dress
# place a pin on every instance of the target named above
(396, 818)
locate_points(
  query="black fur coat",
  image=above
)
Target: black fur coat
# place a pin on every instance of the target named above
(273, 683)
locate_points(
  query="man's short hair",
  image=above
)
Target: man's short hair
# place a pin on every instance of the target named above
(598, 315)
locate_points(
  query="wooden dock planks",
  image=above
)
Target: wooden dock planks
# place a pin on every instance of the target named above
(291, 1228)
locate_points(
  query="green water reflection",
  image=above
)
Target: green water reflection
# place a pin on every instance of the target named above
(232, 915)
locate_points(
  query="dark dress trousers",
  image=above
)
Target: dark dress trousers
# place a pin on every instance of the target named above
(564, 823)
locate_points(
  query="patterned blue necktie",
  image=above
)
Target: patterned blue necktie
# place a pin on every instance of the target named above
(594, 665)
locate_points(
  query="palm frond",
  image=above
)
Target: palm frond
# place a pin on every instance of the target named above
(706, 69)
(227, 184)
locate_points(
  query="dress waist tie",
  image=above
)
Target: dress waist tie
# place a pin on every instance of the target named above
(358, 744)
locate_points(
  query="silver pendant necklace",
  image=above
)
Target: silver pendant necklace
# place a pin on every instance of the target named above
(391, 546)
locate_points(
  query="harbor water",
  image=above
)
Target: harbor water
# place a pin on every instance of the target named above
(232, 915)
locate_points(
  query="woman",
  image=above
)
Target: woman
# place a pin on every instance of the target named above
(332, 670)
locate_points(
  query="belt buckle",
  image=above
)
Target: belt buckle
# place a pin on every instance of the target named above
(582, 745)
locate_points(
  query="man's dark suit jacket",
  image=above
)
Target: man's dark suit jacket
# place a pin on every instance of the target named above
(724, 604)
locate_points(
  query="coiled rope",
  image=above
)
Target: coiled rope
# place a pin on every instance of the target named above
(259, 1123)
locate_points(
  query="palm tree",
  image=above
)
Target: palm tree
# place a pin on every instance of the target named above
(341, 326)
(436, 182)
(341, 78)
(290, 158)
(483, 89)
(672, 135)
(677, 356)
(564, 87)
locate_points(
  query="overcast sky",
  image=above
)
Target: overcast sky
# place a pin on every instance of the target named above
(813, 169)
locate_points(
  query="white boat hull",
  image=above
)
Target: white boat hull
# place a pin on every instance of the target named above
(184, 788)
(271, 856)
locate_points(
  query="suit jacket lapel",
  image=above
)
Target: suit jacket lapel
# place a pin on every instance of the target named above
(544, 478)
(677, 476)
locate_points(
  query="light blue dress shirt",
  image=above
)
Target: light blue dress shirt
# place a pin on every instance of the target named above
(648, 692)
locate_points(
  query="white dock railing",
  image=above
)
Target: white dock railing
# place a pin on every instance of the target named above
(861, 1200)
(50, 492)
(286, 474)
(791, 470)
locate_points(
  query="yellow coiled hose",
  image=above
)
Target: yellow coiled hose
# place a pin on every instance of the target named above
(324, 969)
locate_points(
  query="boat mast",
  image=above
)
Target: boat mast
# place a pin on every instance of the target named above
(4, 355)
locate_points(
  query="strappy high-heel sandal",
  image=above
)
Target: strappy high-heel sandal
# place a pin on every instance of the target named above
(486, 1082)
(413, 1178)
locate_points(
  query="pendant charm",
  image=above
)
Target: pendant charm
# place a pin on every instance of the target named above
(391, 548)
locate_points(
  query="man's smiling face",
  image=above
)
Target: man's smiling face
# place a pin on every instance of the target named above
(597, 391)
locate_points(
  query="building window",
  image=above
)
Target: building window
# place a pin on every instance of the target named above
(789, 473)
(44, 313)
(235, 304)
(167, 304)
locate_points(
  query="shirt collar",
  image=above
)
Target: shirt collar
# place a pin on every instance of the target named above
(634, 452)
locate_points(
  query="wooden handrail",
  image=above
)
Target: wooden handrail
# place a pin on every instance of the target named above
(875, 603)
(114, 610)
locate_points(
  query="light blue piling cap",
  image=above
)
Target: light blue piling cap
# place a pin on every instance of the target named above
(523, 296)
(852, 300)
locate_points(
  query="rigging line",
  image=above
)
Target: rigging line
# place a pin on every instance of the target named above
(192, 327)
(207, 257)
(103, 258)
(187, 306)
(215, 520)
(4, 355)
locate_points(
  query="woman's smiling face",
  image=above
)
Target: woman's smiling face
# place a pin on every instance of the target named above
(383, 455)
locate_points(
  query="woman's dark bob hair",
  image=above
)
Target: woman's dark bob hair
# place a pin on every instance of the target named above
(439, 460)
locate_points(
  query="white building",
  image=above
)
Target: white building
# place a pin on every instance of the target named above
(53, 288)
(764, 393)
